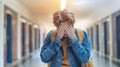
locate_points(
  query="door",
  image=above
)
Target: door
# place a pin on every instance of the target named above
(30, 39)
(88, 32)
(23, 39)
(97, 37)
(118, 36)
(92, 37)
(35, 38)
(39, 38)
(9, 38)
(105, 38)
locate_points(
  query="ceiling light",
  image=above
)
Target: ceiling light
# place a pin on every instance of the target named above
(63, 4)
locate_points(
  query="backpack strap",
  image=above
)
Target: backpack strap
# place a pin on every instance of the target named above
(53, 34)
(80, 34)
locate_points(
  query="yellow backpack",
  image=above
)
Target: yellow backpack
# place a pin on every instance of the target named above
(80, 37)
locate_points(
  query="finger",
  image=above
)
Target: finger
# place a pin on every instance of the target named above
(70, 31)
(61, 30)
(65, 26)
(67, 29)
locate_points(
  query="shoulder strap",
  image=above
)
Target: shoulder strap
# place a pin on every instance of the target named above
(80, 34)
(53, 34)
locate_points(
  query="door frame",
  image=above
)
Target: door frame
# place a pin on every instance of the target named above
(103, 21)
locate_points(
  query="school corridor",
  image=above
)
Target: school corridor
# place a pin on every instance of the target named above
(24, 25)
(35, 61)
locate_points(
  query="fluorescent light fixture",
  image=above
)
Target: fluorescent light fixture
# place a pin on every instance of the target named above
(63, 4)
(23, 20)
(35, 26)
(30, 23)
(9, 12)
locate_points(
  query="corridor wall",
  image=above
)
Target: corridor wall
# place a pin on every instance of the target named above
(1, 35)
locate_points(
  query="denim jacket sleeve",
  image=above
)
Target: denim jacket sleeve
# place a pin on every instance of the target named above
(50, 48)
(81, 50)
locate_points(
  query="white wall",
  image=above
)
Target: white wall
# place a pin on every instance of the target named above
(18, 7)
(113, 7)
(41, 36)
(19, 40)
(21, 11)
(1, 34)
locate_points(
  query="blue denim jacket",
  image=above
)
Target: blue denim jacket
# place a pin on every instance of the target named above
(77, 52)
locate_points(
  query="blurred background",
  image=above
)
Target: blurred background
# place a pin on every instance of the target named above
(25, 23)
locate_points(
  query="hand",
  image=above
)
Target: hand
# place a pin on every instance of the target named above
(60, 31)
(70, 30)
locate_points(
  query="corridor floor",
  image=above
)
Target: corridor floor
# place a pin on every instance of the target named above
(35, 61)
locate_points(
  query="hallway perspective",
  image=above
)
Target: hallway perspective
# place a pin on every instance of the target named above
(35, 61)
(24, 25)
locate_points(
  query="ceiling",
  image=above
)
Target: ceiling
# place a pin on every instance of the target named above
(86, 11)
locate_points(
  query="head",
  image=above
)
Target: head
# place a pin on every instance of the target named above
(64, 16)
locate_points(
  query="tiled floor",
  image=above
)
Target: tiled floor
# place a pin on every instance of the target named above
(36, 62)
(101, 62)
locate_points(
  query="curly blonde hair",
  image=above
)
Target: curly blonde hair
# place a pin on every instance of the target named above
(61, 16)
